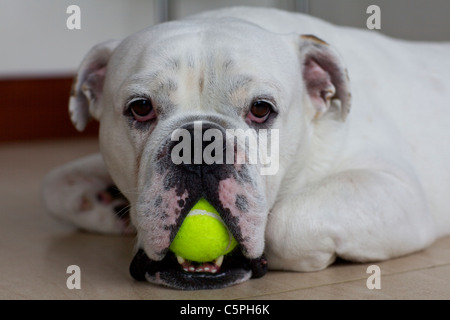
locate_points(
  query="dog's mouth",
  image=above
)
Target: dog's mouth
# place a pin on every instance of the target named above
(234, 191)
(178, 273)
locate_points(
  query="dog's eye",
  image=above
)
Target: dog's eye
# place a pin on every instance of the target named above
(142, 110)
(259, 111)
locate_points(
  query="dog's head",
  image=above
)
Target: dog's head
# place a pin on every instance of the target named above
(215, 109)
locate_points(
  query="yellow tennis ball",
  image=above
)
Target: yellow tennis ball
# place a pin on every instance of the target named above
(203, 236)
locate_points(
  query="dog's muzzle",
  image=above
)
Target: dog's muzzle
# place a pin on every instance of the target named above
(235, 191)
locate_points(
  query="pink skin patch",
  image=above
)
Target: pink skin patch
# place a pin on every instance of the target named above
(319, 84)
(251, 221)
(105, 197)
(171, 201)
(158, 216)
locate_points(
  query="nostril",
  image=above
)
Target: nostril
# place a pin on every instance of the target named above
(197, 144)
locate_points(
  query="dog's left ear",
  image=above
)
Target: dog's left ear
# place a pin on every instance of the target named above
(325, 77)
(87, 86)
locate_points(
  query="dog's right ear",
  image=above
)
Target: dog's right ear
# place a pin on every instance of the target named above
(87, 86)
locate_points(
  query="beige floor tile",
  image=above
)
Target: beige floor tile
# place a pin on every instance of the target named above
(35, 251)
(431, 283)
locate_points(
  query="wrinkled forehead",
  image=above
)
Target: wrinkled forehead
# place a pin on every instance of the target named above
(207, 45)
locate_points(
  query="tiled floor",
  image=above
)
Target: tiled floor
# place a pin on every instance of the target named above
(35, 251)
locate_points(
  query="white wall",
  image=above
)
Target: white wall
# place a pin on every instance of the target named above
(182, 8)
(407, 19)
(34, 38)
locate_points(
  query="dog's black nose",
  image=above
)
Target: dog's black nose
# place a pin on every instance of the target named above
(204, 149)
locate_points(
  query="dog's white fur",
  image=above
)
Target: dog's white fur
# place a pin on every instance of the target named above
(387, 193)
(373, 187)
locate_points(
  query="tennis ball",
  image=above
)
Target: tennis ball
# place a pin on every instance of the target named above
(203, 236)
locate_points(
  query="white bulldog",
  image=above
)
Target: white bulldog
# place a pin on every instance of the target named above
(367, 185)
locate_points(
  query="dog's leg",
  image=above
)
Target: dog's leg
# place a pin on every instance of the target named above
(358, 215)
(83, 194)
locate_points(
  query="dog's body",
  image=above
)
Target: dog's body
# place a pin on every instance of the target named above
(365, 186)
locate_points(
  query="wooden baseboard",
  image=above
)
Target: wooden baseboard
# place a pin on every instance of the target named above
(32, 109)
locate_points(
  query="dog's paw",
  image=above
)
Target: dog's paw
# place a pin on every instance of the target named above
(89, 203)
(106, 211)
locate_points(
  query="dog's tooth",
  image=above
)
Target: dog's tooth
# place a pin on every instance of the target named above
(180, 259)
(218, 262)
